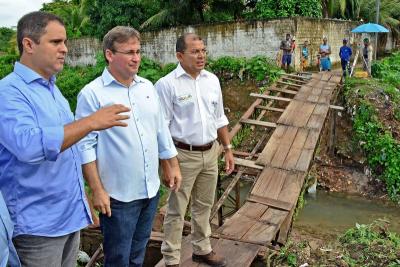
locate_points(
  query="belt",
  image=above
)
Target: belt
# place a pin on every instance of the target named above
(193, 148)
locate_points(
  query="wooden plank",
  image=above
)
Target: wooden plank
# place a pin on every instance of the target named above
(187, 251)
(326, 76)
(247, 163)
(292, 187)
(336, 107)
(316, 121)
(275, 203)
(236, 253)
(289, 84)
(242, 220)
(265, 230)
(294, 80)
(321, 110)
(285, 144)
(295, 151)
(305, 160)
(263, 181)
(312, 140)
(271, 97)
(287, 91)
(295, 76)
(290, 113)
(259, 123)
(270, 108)
(269, 150)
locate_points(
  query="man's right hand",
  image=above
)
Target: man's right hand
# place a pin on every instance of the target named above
(109, 117)
(101, 202)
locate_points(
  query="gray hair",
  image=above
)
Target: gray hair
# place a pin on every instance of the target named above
(118, 34)
(33, 25)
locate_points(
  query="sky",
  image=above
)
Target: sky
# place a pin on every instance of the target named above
(12, 10)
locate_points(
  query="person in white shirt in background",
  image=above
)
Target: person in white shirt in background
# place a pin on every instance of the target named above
(121, 164)
(192, 102)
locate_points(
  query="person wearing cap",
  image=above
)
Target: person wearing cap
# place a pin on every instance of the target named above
(367, 56)
(345, 53)
(325, 51)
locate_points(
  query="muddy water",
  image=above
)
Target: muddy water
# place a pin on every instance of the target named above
(329, 214)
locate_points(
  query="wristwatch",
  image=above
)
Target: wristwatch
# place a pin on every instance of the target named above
(229, 146)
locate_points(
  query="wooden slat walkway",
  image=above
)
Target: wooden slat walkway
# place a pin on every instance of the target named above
(267, 214)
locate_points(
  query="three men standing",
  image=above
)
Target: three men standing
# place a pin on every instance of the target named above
(121, 164)
(40, 168)
(193, 108)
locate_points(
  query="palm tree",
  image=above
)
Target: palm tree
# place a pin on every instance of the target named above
(178, 12)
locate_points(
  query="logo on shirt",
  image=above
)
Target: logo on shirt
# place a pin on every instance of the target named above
(184, 98)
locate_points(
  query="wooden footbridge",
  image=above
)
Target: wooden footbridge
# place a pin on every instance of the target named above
(287, 149)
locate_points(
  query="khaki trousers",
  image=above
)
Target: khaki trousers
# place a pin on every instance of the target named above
(199, 179)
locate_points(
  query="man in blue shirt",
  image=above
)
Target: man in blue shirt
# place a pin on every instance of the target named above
(40, 167)
(121, 164)
(345, 55)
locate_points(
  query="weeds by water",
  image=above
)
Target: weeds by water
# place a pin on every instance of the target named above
(363, 245)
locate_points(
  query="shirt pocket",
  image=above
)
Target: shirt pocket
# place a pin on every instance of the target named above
(184, 102)
(213, 103)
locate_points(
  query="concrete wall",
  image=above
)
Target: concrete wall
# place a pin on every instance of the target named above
(82, 52)
(238, 39)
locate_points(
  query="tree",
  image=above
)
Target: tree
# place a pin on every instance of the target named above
(177, 12)
(6, 35)
(73, 13)
(106, 14)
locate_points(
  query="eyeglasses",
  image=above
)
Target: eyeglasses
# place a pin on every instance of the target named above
(128, 53)
(197, 52)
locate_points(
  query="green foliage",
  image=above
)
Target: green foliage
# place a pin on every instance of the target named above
(6, 35)
(7, 64)
(73, 13)
(106, 14)
(269, 9)
(258, 68)
(388, 70)
(381, 149)
(371, 245)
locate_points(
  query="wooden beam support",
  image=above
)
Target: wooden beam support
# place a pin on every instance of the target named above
(294, 80)
(259, 123)
(271, 97)
(289, 84)
(336, 107)
(296, 76)
(247, 163)
(270, 108)
(287, 91)
(275, 203)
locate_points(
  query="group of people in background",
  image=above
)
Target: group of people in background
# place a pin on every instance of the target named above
(124, 128)
(288, 46)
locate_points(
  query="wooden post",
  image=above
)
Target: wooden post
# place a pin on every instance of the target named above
(332, 133)
(219, 194)
(237, 196)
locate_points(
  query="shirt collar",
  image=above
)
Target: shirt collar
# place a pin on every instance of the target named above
(108, 78)
(29, 75)
(179, 71)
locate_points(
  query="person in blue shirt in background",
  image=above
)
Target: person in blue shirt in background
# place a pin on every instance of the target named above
(345, 53)
(8, 255)
(40, 167)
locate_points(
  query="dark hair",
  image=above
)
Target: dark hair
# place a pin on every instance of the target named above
(118, 34)
(181, 41)
(33, 26)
